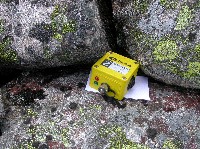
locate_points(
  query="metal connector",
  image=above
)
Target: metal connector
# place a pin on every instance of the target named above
(103, 89)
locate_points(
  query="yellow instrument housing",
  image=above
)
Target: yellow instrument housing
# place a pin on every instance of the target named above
(114, 70)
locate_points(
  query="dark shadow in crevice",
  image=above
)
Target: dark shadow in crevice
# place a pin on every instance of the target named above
(8, 74)
(121, 38)
(113, 28)
(106, 16)
(55, 72)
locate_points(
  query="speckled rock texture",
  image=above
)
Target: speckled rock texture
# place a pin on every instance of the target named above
(42, 33)
(1, 109)
(55, 112)
(164, 36)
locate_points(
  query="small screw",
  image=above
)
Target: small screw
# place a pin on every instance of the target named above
(110, 52)
(124, 78)
(96, 66)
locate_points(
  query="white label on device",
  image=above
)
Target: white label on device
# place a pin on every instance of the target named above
(119, 68)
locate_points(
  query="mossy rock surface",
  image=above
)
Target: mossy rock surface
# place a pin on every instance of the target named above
(50, 33)
(164, 37)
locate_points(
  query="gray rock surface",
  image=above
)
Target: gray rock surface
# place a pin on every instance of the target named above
(164, 36)
(1, 108)
(70, 117)
(50, 33)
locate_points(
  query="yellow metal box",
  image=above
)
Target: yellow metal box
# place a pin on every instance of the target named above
(112, 74)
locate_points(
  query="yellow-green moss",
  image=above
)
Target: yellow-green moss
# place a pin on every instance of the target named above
(166, 50)
(193, 70)
(6, 53)
(26, 145)
(137, 36)
(142, 42)
(59, 26)
(68, 27)
(198, 4)
(55, 12)
(197, 48)
(169, 4)
(89, 113)
(1, 27)
(172, 144)
(197, 52)
(31, 113)
(140, 6)
(141, 39)
(184, 18)
(58, 36)
(47, 53)
(51, 128)
(117, 138)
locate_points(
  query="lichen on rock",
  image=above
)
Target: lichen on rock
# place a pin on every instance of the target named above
(169, 4)
(6, 53)
(166, 50)
(164, 39)
(193, 70)
(60, 24)
(140, 6)
(184, 18)
(117, 138)
(54, 33)
(1, 26)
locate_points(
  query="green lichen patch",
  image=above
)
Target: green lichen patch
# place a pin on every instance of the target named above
(6, 53)
(117, 138)
(47, 53)
(60, 24)
(174, 68)
(26, 145)
(172, 144)
(198, 5)
(193, 70)
(58, 10)
(68, 27)
(166, 50)
(58, 36)
(140, 6)
(141, 41)
(184, 18)
(197, 52)
(137, 36)
(1, 26)
(197, 48)
(179, 39)
(55, 12)
(60, 134)
(169, 4)
(90, 113)
(31, 113)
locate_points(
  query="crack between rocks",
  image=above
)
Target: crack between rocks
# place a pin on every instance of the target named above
(112, 27)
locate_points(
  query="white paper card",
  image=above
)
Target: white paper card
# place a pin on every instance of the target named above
(139, 91)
